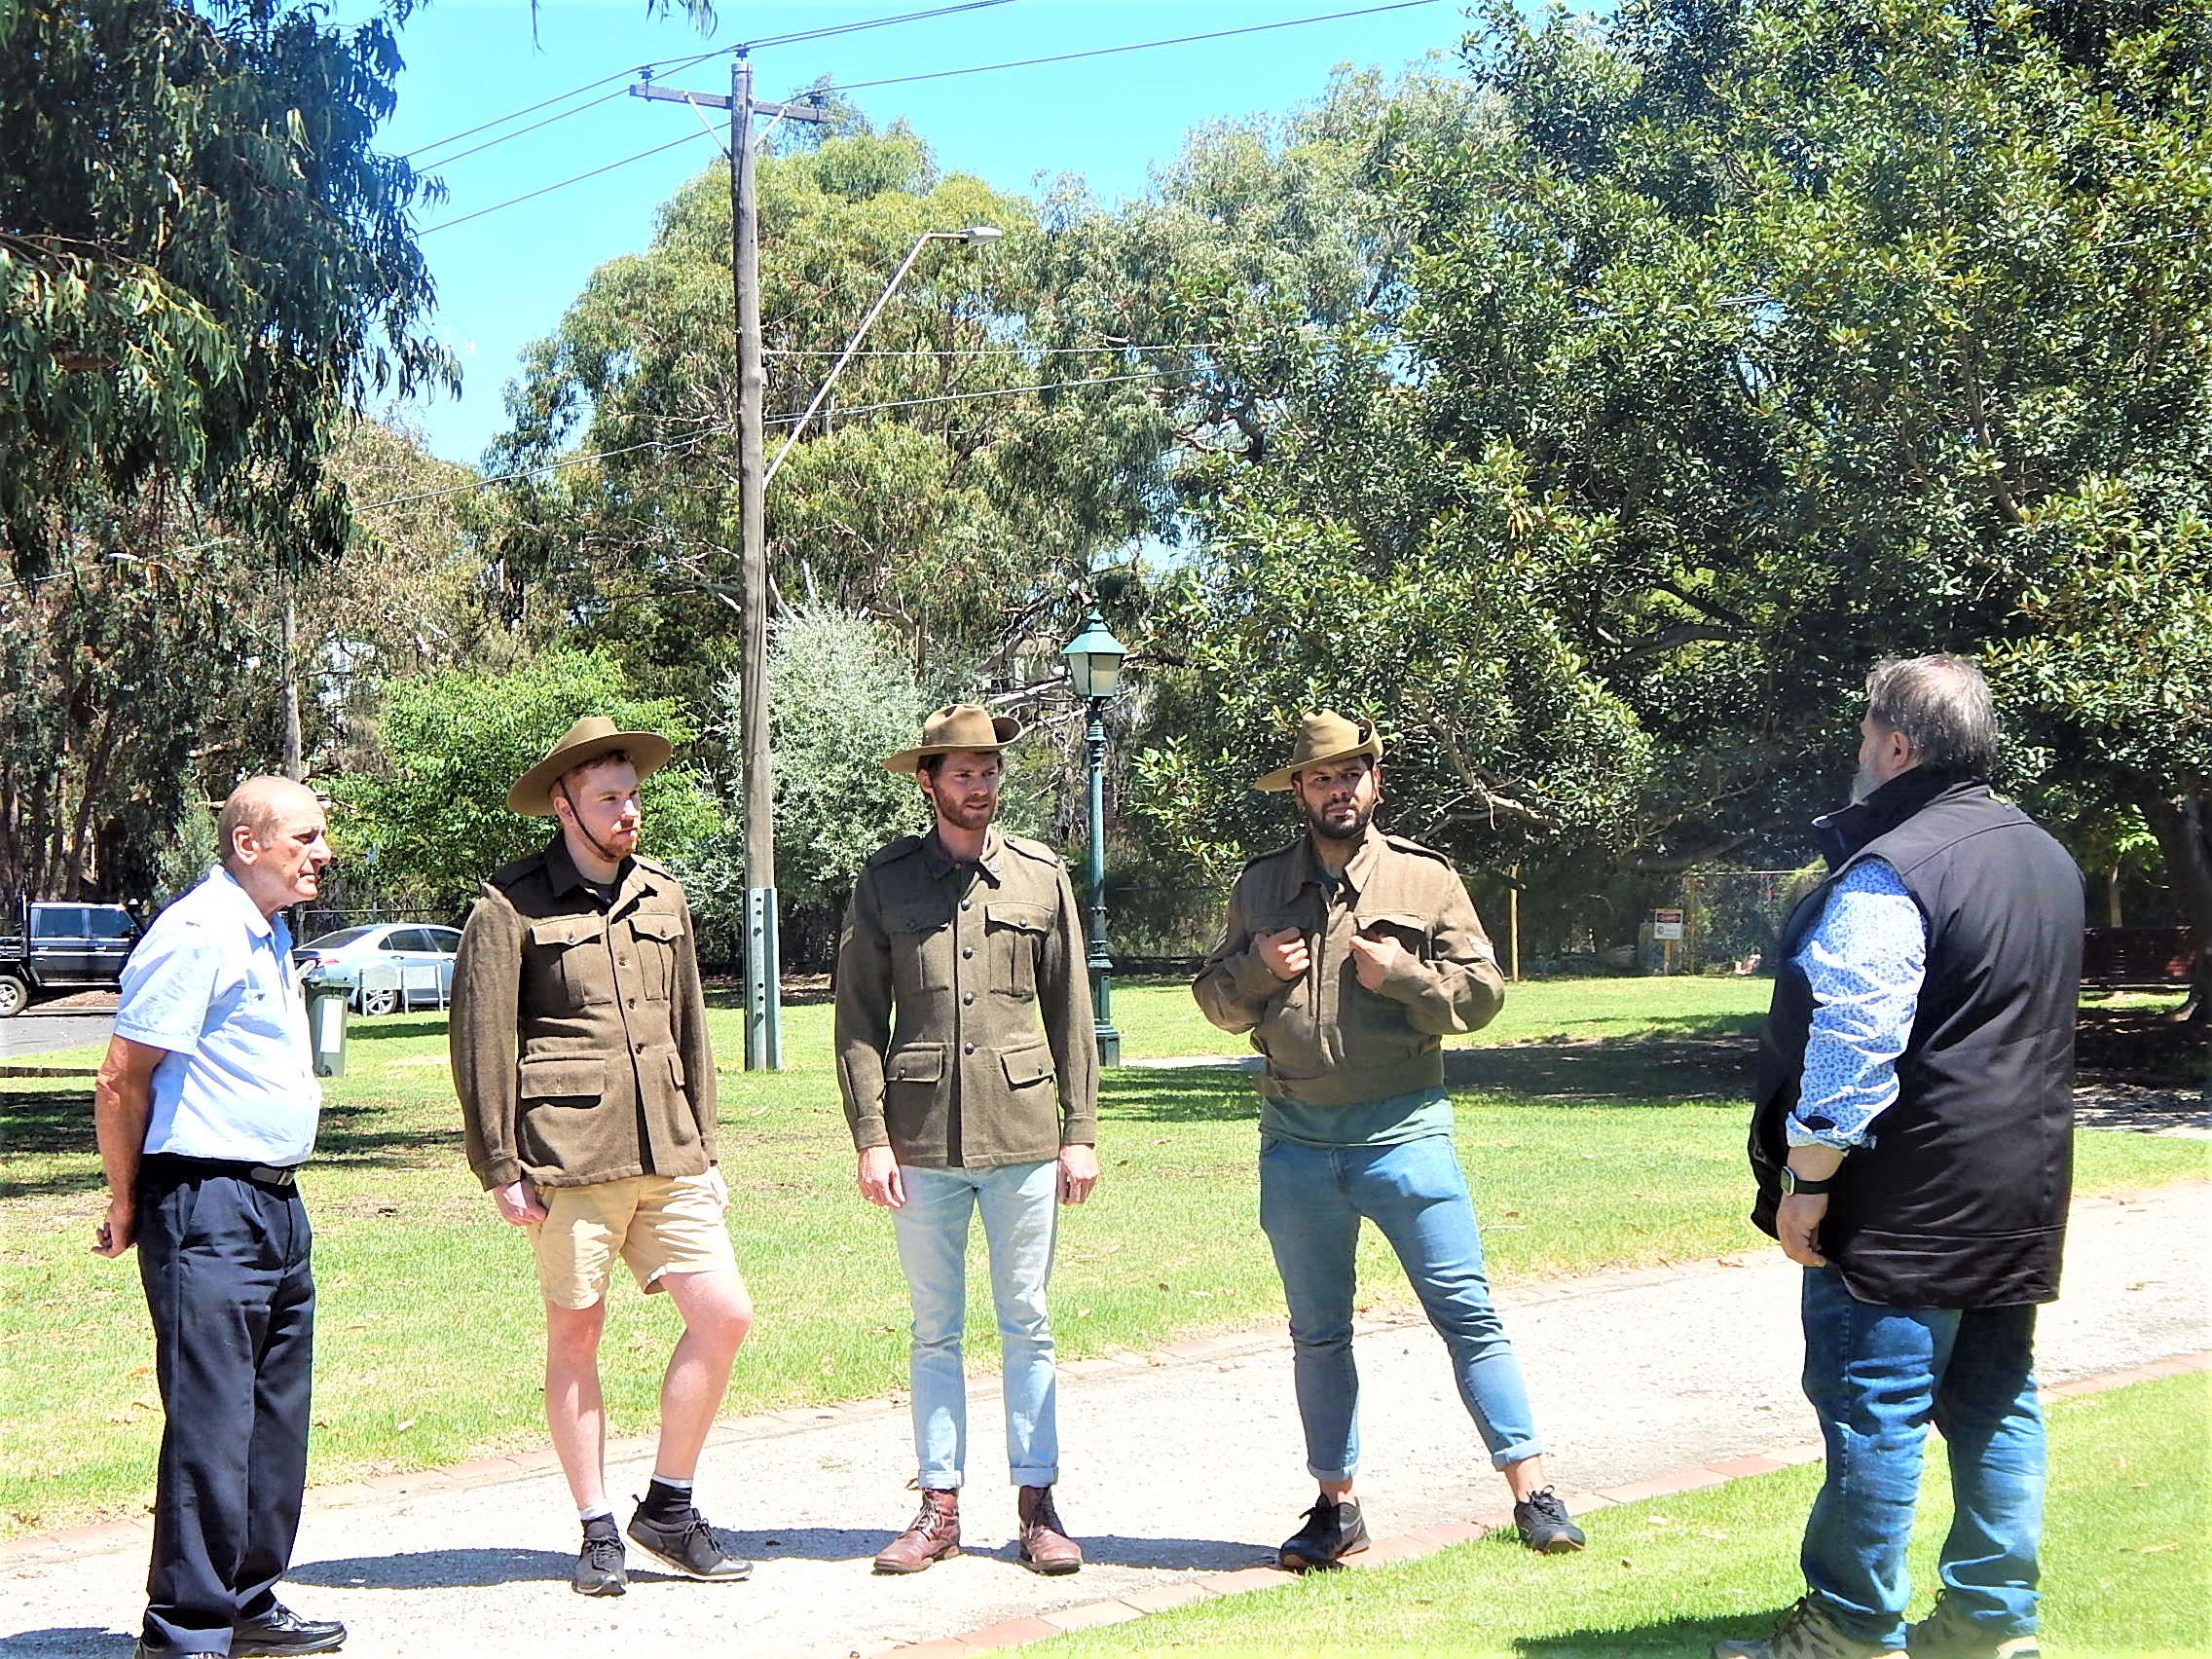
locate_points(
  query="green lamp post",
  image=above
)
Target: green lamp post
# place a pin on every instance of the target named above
(1094, 669)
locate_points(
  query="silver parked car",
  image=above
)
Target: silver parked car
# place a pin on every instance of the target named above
(388, 963)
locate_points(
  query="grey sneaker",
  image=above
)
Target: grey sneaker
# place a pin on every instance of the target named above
(599, 1563)
(1542, 1523)
(1949, 1634)
(1331, 1531)
(1808, 1633)
(685, 1543)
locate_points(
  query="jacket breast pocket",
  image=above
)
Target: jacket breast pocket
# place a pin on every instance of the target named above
(657, 934)
(571, 952)
(921, 949)
(1409, 930)
(1016, 933)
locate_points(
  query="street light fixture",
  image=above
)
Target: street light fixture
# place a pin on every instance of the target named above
(970, 237)
(1094, 669)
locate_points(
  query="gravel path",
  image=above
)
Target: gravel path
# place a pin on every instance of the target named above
(1178, 1462)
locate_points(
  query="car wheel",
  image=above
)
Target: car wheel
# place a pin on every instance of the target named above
(379, 1002)
(15, 996)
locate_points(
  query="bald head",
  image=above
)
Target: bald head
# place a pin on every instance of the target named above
(259, 806)
(272, 832)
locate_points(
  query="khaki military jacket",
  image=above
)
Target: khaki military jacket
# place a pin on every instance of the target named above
(965, 1036)
(579, 1033)
(1328, 1040)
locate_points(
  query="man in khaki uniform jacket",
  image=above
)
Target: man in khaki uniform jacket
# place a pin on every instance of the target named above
(1349, 955)
(967, 1056)
(587, 1092)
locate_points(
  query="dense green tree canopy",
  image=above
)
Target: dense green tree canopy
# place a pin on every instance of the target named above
(203, 260)
(435, 821)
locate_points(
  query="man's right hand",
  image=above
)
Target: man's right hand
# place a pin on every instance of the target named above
(120, 1231)
(879, 1178)
(518, 1203)
(1284, 952)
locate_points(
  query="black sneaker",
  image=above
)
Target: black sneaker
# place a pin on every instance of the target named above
(599, 1563)
(685, 1543)
(1331, 1531)
(1542, 1523)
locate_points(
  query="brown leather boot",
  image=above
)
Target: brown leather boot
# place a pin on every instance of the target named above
(934, 1534)
(1045, 1546)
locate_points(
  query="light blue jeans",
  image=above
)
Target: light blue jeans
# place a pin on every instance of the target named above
(1311, 1200)
(1020, 1208)
(1877, 1376)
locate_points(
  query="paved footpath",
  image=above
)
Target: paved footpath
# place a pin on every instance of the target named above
(1180, 1465)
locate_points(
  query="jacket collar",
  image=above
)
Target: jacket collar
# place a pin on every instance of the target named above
(942, 863)
(1359, 869)
(562, 875)
(1842, 835)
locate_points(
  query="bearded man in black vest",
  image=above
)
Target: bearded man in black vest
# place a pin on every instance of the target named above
(1911, 1138)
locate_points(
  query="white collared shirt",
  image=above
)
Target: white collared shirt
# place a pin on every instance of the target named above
(212, 983)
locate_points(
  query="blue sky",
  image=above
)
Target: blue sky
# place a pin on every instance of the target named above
(505, 280)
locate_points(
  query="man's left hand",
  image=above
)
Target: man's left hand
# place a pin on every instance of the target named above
(1079, 1173)
(1798, 1224)
(1372, 959)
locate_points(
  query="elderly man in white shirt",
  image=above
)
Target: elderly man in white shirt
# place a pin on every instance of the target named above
(205, 1105)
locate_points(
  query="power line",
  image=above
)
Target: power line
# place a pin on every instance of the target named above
(998, 351)
(547, 190)
(1134, 46)
(902, 79)
(671, 66)
(673, 444)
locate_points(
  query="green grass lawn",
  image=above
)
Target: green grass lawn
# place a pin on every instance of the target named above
(2126, 1560)
(429, 1344)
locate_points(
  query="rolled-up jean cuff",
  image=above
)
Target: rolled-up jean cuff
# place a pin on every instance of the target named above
(1036, 1475)
(1331, 1477)
(1511, 1454)
(937, 1480)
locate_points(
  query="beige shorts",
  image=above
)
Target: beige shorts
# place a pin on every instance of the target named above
(658, 1223)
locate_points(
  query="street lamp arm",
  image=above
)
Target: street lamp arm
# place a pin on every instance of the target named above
(822, 393)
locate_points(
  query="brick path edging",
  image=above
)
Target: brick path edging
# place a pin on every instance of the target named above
(1428, 1540)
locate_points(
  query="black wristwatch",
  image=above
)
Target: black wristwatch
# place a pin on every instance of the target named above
(1794, 1185)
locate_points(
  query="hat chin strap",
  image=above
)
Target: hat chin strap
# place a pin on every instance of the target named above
(577, 817)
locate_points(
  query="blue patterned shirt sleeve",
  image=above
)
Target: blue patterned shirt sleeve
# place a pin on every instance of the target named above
(1865, 960)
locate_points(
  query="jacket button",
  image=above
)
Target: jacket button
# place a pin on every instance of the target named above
(965, 951)
(967, 1048)
(967, 903)
(968, 996)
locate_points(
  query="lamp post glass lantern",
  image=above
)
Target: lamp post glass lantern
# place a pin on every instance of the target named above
(1094, 669)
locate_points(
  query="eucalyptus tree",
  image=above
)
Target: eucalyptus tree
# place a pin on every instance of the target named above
(204, 264)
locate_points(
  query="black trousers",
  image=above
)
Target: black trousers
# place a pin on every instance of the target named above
(224, 1261)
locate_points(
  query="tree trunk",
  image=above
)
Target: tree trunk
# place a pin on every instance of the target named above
(2182, 824)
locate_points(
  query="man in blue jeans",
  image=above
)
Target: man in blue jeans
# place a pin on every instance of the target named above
(969, 1066)
(1912, 1138)
(1349, 955)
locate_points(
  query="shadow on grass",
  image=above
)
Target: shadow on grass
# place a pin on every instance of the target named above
(1684, 1637)
(57, 1124)
(1716, 1068)
(1628, 1073)
(1194, 1096)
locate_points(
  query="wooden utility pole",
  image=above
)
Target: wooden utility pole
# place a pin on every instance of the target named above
(764, 1010)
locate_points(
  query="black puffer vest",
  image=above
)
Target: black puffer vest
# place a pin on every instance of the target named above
(1961, 1200)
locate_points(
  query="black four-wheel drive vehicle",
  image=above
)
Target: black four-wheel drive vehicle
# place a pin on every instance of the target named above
(50, 949)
